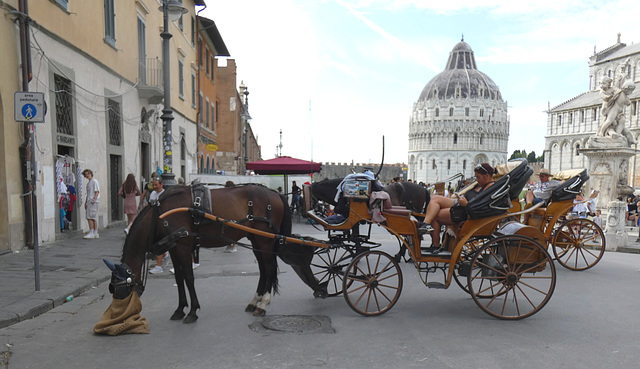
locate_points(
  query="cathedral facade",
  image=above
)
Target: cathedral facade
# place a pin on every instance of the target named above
(572, 123)
(459, 121)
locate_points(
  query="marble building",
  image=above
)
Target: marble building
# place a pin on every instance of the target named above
(572, 123)
(459, 120)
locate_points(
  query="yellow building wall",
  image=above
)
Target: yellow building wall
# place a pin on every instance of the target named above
(83, 24)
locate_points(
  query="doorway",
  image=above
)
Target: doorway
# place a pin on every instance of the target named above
(65, 189)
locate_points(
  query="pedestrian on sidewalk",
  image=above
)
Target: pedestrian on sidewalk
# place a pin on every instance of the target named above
(92, 203)
(129, 190)
(158, 189)
(147, 189)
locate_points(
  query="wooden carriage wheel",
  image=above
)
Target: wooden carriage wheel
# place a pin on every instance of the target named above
(578, 244)
(329, 265)
(519, 269)
(372, 283)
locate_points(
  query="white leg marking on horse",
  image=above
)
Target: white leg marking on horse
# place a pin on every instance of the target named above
(256, 299)
(266, 300)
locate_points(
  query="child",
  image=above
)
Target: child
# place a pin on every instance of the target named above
(597, 219)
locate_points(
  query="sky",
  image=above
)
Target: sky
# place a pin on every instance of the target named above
(336, 76)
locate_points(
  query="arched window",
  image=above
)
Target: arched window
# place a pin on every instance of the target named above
(455, 138)
(429, 138)
(206, 170)
(481, 138)
(437, 112)
(201, 164)
(451, 112)
(578, 150)
(466, 112)
(433, 164)
(464, 164)
(481, 112)
(448, 164)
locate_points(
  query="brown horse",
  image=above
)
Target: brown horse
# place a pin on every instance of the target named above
(410, 195)
(253, 206)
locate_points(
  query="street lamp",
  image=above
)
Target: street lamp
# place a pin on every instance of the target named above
(171, 10)
(245, 119)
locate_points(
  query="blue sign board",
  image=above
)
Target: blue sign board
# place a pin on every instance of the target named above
(29, 107)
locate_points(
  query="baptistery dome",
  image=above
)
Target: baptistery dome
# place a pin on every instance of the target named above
(459, 120)
(461, 78)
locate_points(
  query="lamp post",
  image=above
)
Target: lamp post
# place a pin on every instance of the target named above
(171, 10)
(245, 119)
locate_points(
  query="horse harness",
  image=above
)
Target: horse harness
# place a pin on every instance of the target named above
(202, 203)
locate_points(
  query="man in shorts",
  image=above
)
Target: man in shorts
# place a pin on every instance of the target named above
(92, 203)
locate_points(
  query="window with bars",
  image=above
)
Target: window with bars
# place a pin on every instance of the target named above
(115, 123)
(64, 112)
(183, 147)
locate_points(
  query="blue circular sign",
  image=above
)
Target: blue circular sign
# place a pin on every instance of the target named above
(29, 111)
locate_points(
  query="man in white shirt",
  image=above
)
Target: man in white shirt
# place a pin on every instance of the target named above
(92, 203)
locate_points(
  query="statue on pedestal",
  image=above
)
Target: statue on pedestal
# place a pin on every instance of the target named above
(614, 101)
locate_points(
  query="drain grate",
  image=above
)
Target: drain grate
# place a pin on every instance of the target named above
(306, 324)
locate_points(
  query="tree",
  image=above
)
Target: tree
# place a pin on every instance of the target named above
(531, 158)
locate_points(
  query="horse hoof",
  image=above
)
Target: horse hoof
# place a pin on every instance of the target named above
(178, 315)
(250, 308)
(259, 312)
(320, 294)
(190, 319)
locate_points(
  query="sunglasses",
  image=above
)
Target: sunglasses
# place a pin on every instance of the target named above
(479, 168)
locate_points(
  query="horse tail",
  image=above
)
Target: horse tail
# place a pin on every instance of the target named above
(287, 223)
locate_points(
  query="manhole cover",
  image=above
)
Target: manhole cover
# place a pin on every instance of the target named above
(293, 324)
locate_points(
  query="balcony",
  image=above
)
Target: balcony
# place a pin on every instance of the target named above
(150, 84)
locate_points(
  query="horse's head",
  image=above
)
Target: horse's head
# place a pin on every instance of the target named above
(122, 280)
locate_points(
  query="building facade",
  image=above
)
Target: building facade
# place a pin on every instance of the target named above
(459, 120)
(99, 65)
(210, 45)
(572, 123)
(234, 125)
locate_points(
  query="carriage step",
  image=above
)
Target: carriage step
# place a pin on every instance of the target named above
(437, 285)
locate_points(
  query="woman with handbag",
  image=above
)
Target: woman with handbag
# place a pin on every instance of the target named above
(447, 211)
(129, 190)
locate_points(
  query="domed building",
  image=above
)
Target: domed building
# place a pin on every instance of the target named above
(459, 120)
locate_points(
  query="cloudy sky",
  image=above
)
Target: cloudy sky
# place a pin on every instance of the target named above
(337, 75)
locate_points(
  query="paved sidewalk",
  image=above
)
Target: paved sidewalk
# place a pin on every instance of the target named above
(68, 267)
(72, 266)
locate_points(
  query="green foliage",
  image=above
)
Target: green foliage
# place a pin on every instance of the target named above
(531, 157)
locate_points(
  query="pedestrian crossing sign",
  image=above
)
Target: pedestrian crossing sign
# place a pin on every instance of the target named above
(29, 107)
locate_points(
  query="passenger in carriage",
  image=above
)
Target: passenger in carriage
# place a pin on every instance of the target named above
(439, 208)
(541, 191)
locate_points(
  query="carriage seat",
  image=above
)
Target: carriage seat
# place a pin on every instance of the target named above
(570, 188)
(496, 200)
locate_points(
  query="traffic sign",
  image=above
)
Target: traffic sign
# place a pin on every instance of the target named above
(29, 107)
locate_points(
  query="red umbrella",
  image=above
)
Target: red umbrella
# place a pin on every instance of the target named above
(284, 165)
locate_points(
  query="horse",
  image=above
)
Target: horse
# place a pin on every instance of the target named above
(408, 194)
(183, 232)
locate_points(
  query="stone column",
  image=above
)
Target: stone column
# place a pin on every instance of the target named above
(609, 173)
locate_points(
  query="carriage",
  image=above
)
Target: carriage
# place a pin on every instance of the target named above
(506, 269)
(577, 243)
